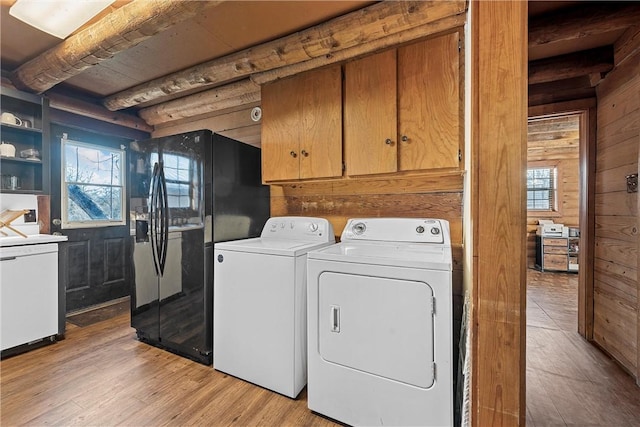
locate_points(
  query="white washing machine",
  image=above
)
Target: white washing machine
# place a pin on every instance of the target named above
(380, 324)
(259, 303)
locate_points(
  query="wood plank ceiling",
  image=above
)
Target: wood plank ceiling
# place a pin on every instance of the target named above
(570, 49)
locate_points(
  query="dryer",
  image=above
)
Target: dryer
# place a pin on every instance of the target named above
(259, 303)
(380, 324)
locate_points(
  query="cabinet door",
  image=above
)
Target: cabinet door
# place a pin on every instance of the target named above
(429, 104)
(370, 119)
(321, 123)
(281, 105)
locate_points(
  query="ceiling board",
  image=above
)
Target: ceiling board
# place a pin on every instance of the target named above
(219, 31)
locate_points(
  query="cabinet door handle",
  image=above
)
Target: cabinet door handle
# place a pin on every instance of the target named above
(404, 138)
(304, 153)
(293, 154)
(388, 141)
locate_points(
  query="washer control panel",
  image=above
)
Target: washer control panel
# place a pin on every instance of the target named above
(298, 228)
(419, 230)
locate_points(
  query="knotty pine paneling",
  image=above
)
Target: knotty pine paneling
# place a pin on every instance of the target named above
(435, 196)
(555, 141)
(616, 289)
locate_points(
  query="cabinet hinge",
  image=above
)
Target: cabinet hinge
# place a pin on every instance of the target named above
(344, 166)
(459, 155)
(459, 45)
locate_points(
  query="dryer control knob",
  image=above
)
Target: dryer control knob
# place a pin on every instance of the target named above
(313, 227)
(420, 229)
(359, 228)
(435, 230)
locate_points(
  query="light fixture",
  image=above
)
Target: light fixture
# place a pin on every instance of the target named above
(57, 17)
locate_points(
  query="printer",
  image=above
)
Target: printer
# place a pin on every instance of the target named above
(547, 228)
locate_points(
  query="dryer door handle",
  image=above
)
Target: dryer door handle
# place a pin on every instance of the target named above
(335, 318)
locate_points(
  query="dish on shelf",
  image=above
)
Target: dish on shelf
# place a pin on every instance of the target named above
(29, 154)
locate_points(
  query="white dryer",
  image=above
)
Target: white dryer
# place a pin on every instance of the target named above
(380, 324)
(259, 303)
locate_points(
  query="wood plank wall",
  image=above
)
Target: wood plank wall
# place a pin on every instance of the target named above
(233, 123)
(555, 141)
(616, 288)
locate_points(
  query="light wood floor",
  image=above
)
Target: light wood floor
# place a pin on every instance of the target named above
(101, 375)
(569, 381)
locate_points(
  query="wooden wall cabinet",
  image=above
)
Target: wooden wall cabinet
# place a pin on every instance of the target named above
(402, 109)
(27, 173)
(302, 126)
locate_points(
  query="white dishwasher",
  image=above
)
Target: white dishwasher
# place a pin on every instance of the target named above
(28, 294)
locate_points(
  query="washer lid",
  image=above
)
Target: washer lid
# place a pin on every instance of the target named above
(271, 246)
(413, 255)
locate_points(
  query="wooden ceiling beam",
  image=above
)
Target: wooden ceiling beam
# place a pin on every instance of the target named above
(98, 112)
(412, 34)
(360, 27)
(584, 63)
(219, 98)
(580, 22)
(560, 91)
(120, 30)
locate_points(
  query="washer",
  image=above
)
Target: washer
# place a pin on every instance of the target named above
(380, 324)
(259, 303)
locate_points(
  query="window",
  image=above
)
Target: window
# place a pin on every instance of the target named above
(542, 189)
(93, 187)
(177, 173)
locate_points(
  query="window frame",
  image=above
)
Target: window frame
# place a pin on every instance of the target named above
(555, 211)
(64, 196)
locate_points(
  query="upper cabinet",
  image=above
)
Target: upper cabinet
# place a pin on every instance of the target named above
(402, 109)
(24, 153)
(302, 126)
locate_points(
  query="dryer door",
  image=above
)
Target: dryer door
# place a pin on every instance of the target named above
(377, 325)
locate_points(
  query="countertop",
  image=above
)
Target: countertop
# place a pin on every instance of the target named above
(33, 239)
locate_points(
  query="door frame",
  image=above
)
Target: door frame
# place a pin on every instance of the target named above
(83, 125)
(586, 110)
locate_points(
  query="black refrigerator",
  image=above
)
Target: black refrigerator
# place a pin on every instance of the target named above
(187, 192)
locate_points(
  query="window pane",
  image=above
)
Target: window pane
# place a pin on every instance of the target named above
(92, 165)
(541, 188)
(178, 195)
(93, 202)
(94, 185)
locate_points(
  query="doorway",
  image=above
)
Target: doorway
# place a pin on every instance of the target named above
(88, 205)
(584, 111)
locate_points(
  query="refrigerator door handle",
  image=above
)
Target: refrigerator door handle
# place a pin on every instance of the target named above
(164, 240)
(153, 218)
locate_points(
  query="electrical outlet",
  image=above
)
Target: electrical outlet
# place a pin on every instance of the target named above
(30, 216)
(632, 183)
